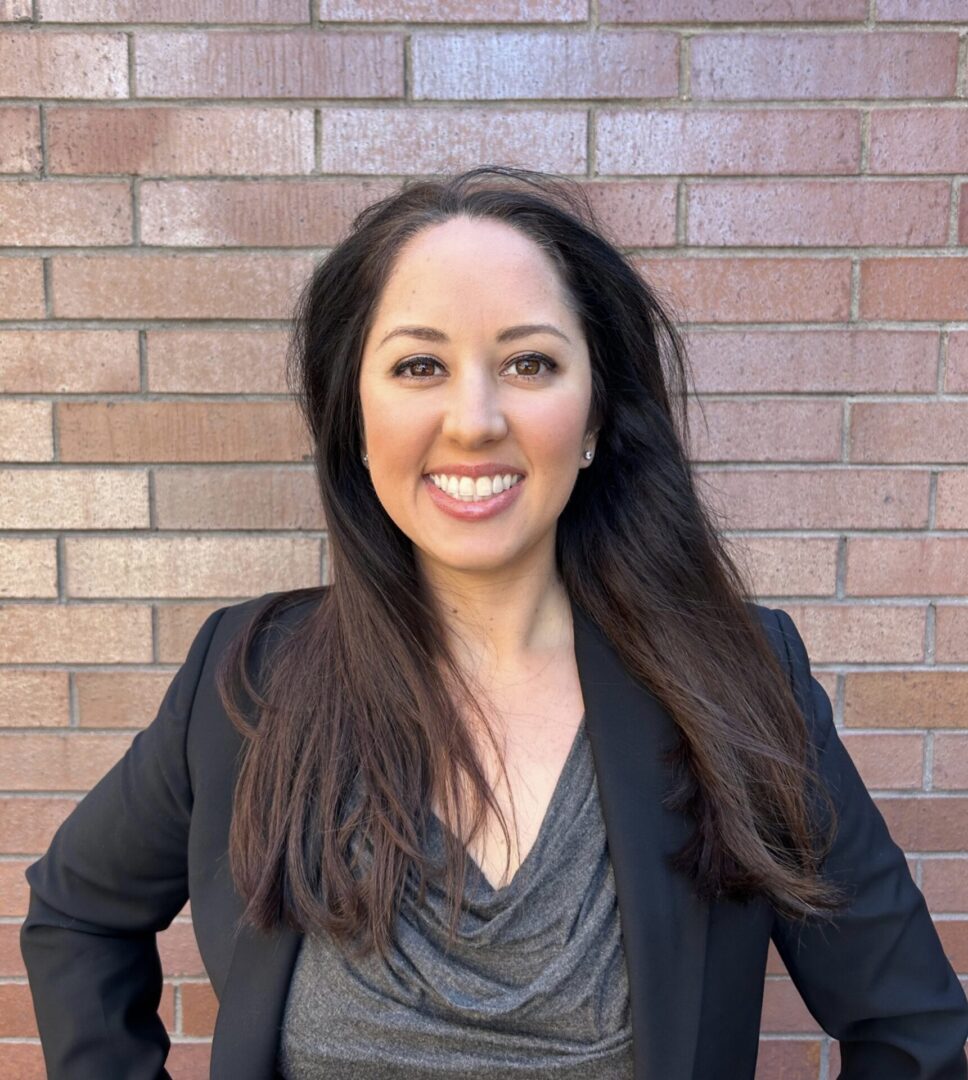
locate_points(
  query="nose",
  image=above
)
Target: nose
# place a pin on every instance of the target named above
(473, 411)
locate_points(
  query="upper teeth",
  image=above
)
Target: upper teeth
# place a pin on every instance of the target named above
(469, 489)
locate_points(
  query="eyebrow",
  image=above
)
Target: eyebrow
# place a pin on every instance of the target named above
(509, 333)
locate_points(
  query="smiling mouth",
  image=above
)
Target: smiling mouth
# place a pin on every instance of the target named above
(468, 490)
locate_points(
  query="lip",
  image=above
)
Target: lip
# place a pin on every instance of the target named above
(472, 511)
(486, 468)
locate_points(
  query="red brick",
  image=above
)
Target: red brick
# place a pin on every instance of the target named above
(190, 431)
(821, 498)
(68, 361)
(923, 566)
(926, 823)
(859, 633)
(73, 499)
(956, 375)
(293, 63)
(951, 768)
(820, 213)
(712, 11)
(723, 141)
(804, 360)
(16, 1014)
(237, 498)
(922, 698)
(199, 1008)
(915, 289)
(784, 1010)
(888, 761)
(788, 1059)
(920, 11)
(33, 698)
(769, 429)
(177, 625)
(19, 139)
(945, 883)
(825, 65)
(75, 634)
(119, 699)
(174, 11)
(189, 566)
(189, 1060)
(177, 286)
(230, 213)
(484, 64)
(13, 896)
(453, 11)
(919, 140)
(635, 213)
(28, 568)
(63, 64)
(22, 1061)
(64, 213)
(27, 825)
(217, 361)
(61, 762)
(21, 288)
(425, 140)
(954, 941)
(14, 10)
(179, 951)
(951, 634)
(951, 505)
(787, 566)
(963, 215)
(25, 431)
(908, 431)
(174, 141)
(752, 289)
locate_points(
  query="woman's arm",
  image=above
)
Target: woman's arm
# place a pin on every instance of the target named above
(876, 978)
(115, 874)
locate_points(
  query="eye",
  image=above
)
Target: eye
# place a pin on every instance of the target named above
(532, 358)
(418, 360)
(405, 369)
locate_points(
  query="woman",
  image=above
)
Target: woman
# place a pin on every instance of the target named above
(532, 620)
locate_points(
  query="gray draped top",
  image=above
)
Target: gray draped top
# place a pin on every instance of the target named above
(536, 985)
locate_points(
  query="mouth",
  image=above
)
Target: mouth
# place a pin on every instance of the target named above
(473, 506)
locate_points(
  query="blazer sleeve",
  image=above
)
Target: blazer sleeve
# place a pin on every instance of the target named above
(114, 875)
(875, 978)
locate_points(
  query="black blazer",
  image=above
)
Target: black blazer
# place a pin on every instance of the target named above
(154, 831)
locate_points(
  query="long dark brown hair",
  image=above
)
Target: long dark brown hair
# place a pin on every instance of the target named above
(361, 717)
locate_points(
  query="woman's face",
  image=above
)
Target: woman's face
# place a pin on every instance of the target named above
(457, 374)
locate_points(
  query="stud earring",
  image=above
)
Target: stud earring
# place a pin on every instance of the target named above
(366, 461)
(588, 455)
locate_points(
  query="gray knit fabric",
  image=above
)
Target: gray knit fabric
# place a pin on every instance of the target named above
(536, 985)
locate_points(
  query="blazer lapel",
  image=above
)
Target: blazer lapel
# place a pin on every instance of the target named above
(663, 923)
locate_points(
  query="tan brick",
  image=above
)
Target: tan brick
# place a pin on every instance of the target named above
(230, 213)
(33, 699)
(19, 139)
(784, 1010)
(28, 568)
(73, 499)
(290, 63)
(859, 633)
(75, 634)
(26, 433)
(189, 566)
(791, 1059)
(915, 289)
(237, 498)
(820, 213)
(68, 361)
(802, 361)
(920, 11)
(61, 762)
(950, 764)
(13, 897)
(509, 11)
(64, 213)
(63, 64)
(501, 65)
(945, 883)
(181, 431)
(820, 498)
(908, 431)
(752, 289)
(177, 625)
(217, 361)
(888, 761)
(951, 634)
(119, 698)
(770, 429)
(635, 213)
(836, 64)
(926, 823)
(25, 1061)
(178, 286)
(956, 375)
(199, 1008)
(174, 11)
(926, 139)
(14, 10)
(180, 141)
(21, 288)
(723, 141)
(906, 699)
(27, 825)
(784, 566)
(430, 140)
(922, 566)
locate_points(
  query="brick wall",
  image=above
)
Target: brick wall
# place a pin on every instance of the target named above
(792, 173)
